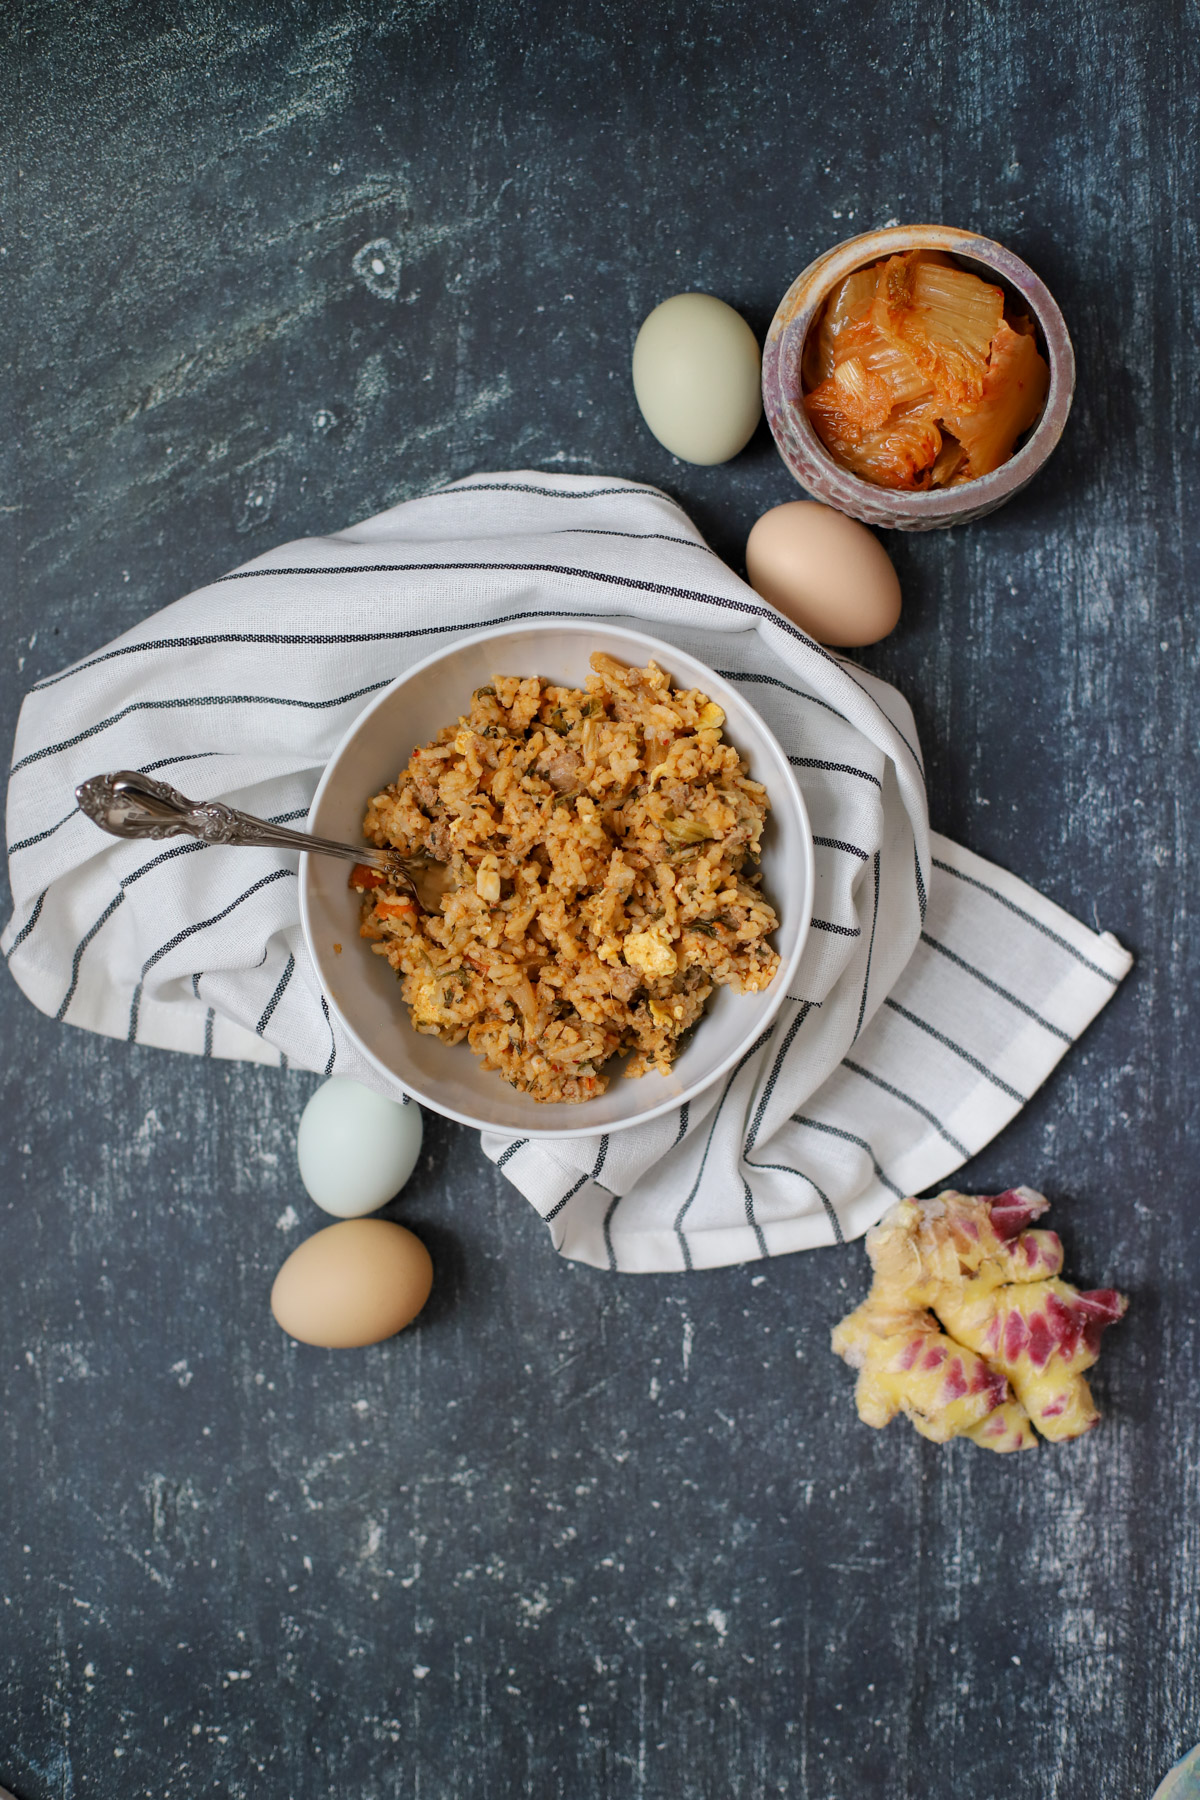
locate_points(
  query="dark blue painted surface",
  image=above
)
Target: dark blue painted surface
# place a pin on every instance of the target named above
(578, 1535)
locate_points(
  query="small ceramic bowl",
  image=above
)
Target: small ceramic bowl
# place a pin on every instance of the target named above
(803, 451)
(363, 990)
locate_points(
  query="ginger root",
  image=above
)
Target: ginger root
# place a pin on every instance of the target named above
(968, 1328)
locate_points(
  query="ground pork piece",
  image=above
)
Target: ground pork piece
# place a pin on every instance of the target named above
(560, 763)
(624, 983)
(425, 781)
(438, 841)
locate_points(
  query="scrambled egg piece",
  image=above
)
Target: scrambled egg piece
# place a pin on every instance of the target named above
(426, 1003)
(651, 952)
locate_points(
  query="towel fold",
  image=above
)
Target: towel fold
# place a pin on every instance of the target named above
(935, 994)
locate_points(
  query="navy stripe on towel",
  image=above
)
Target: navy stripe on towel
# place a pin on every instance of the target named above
(1012, 907)
(940, 1037)
(575, 1187)
(906, 1100)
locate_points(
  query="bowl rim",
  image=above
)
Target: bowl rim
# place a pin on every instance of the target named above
(797, 312)
(659, 648)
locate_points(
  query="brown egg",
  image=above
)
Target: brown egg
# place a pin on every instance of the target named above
(825, 572)
(353, 1283)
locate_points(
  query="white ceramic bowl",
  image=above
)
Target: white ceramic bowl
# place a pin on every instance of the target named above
(363, 990)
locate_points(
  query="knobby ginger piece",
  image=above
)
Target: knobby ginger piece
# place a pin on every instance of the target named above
(1006, 1429)
(906, 1364)
(925, 1247)
(968, 1328)
(1042, 1336)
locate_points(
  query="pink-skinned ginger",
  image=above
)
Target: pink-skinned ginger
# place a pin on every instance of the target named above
(969, 1329)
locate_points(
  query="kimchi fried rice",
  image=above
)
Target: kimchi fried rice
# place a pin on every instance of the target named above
(600, 845)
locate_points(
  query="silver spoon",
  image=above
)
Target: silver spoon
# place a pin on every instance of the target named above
(130, 805)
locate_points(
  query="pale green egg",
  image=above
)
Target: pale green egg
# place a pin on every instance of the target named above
(356, 1148)
(1183, 1781)
(697, 376)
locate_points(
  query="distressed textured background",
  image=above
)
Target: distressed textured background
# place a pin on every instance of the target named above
(577, 1535)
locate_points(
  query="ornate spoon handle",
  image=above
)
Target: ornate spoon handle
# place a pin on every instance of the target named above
(130, 805)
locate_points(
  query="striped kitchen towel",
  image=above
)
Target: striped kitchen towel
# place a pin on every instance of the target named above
(935, 993)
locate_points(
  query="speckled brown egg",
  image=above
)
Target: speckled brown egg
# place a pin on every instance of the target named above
(354, 1283)
(825, 572)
